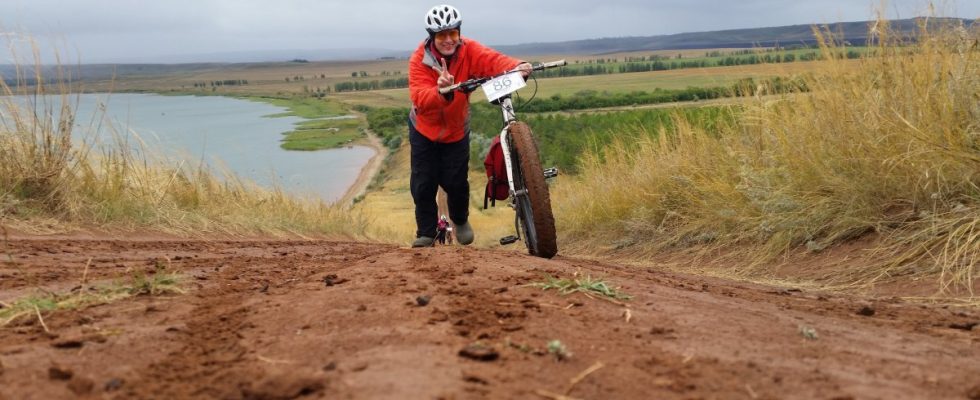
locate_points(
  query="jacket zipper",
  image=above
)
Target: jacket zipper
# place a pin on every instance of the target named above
(442, 111)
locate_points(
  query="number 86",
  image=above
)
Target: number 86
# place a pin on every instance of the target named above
(501, 84)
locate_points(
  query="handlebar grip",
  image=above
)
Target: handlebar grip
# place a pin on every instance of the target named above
(450, 88)
(553, 64)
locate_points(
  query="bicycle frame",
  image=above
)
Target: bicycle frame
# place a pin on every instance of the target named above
(507, 107)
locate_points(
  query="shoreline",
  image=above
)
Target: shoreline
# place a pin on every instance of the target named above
(368, 171)
(371, 140)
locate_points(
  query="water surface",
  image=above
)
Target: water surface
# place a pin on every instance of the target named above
(228, 132)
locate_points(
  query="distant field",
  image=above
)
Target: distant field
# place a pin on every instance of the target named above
(261, 78)
(295, 77)
(375, 98)
(614, 83)
(644, 81)
(710, 57)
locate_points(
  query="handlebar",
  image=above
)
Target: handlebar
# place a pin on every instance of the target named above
(553, 64)
(472, 84)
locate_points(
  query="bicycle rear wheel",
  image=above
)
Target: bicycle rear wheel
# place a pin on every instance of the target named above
(533, 207)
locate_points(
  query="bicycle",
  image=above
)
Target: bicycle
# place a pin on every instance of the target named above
(529, 196)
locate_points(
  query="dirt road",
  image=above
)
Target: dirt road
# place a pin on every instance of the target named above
(315, 319)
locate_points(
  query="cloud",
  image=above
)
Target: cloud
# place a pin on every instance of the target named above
(104, 29)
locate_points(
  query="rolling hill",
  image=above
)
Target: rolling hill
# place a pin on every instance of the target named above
(853, 32)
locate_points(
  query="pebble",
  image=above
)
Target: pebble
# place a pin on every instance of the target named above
(81, 386)
(57, 372)
(113, 384)
(479, 352)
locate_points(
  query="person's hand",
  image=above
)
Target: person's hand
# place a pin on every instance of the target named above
(525, 69)
(445, 78)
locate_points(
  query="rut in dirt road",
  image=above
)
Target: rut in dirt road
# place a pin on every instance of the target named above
(210, 360)
(318, 319)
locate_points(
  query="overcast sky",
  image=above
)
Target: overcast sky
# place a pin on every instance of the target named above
(89, 31)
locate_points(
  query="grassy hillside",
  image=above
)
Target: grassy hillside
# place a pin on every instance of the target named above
(54, 179)
(884, 150)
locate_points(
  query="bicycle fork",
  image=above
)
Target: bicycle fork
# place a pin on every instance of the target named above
(510, 180)
(509, 117)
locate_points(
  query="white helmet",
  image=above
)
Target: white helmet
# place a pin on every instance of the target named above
(442, 17)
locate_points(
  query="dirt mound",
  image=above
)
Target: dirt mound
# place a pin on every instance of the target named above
(314, 319)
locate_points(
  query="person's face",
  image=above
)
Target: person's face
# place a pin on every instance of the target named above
(447, 41)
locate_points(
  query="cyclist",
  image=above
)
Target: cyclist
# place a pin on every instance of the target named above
(441, 227)
(438, 126)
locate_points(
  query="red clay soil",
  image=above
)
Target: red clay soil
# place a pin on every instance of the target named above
(338, 320)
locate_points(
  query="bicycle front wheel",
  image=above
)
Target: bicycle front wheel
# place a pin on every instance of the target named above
(534, 206)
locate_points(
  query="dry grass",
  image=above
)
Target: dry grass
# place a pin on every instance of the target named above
(888, 145)
(157, 284)
(587, 285)
(50, 169)
(393, 98)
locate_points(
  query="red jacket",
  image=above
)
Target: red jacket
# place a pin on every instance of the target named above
(434, 116)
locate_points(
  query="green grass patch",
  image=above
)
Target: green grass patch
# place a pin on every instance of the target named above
(558, 349)
(159, 283)
(322, 134)
(564, 139)
(320, 131)
(389, 123)
(587, 285)
(304, 107)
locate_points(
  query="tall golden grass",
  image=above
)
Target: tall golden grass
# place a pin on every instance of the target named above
(888, 146)
(52, 170)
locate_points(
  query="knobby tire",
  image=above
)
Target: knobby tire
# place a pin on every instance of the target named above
(540, 242)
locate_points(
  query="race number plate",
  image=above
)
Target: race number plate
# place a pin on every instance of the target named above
(503, 85)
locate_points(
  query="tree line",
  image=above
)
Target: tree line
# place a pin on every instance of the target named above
(660, 63)
(351, 86)
(226, 82)
(637, 64)
(588, 99)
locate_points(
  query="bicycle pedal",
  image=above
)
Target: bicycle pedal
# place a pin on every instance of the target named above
(508, 240)
(550, 173)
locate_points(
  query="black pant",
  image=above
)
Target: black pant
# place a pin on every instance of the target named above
(434, 165)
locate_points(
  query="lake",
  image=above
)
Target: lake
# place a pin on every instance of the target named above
(228, 133)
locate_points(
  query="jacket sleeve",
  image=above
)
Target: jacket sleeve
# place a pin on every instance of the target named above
(490, 61)
(423, 85)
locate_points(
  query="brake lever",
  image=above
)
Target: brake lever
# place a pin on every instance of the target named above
(469, 88)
